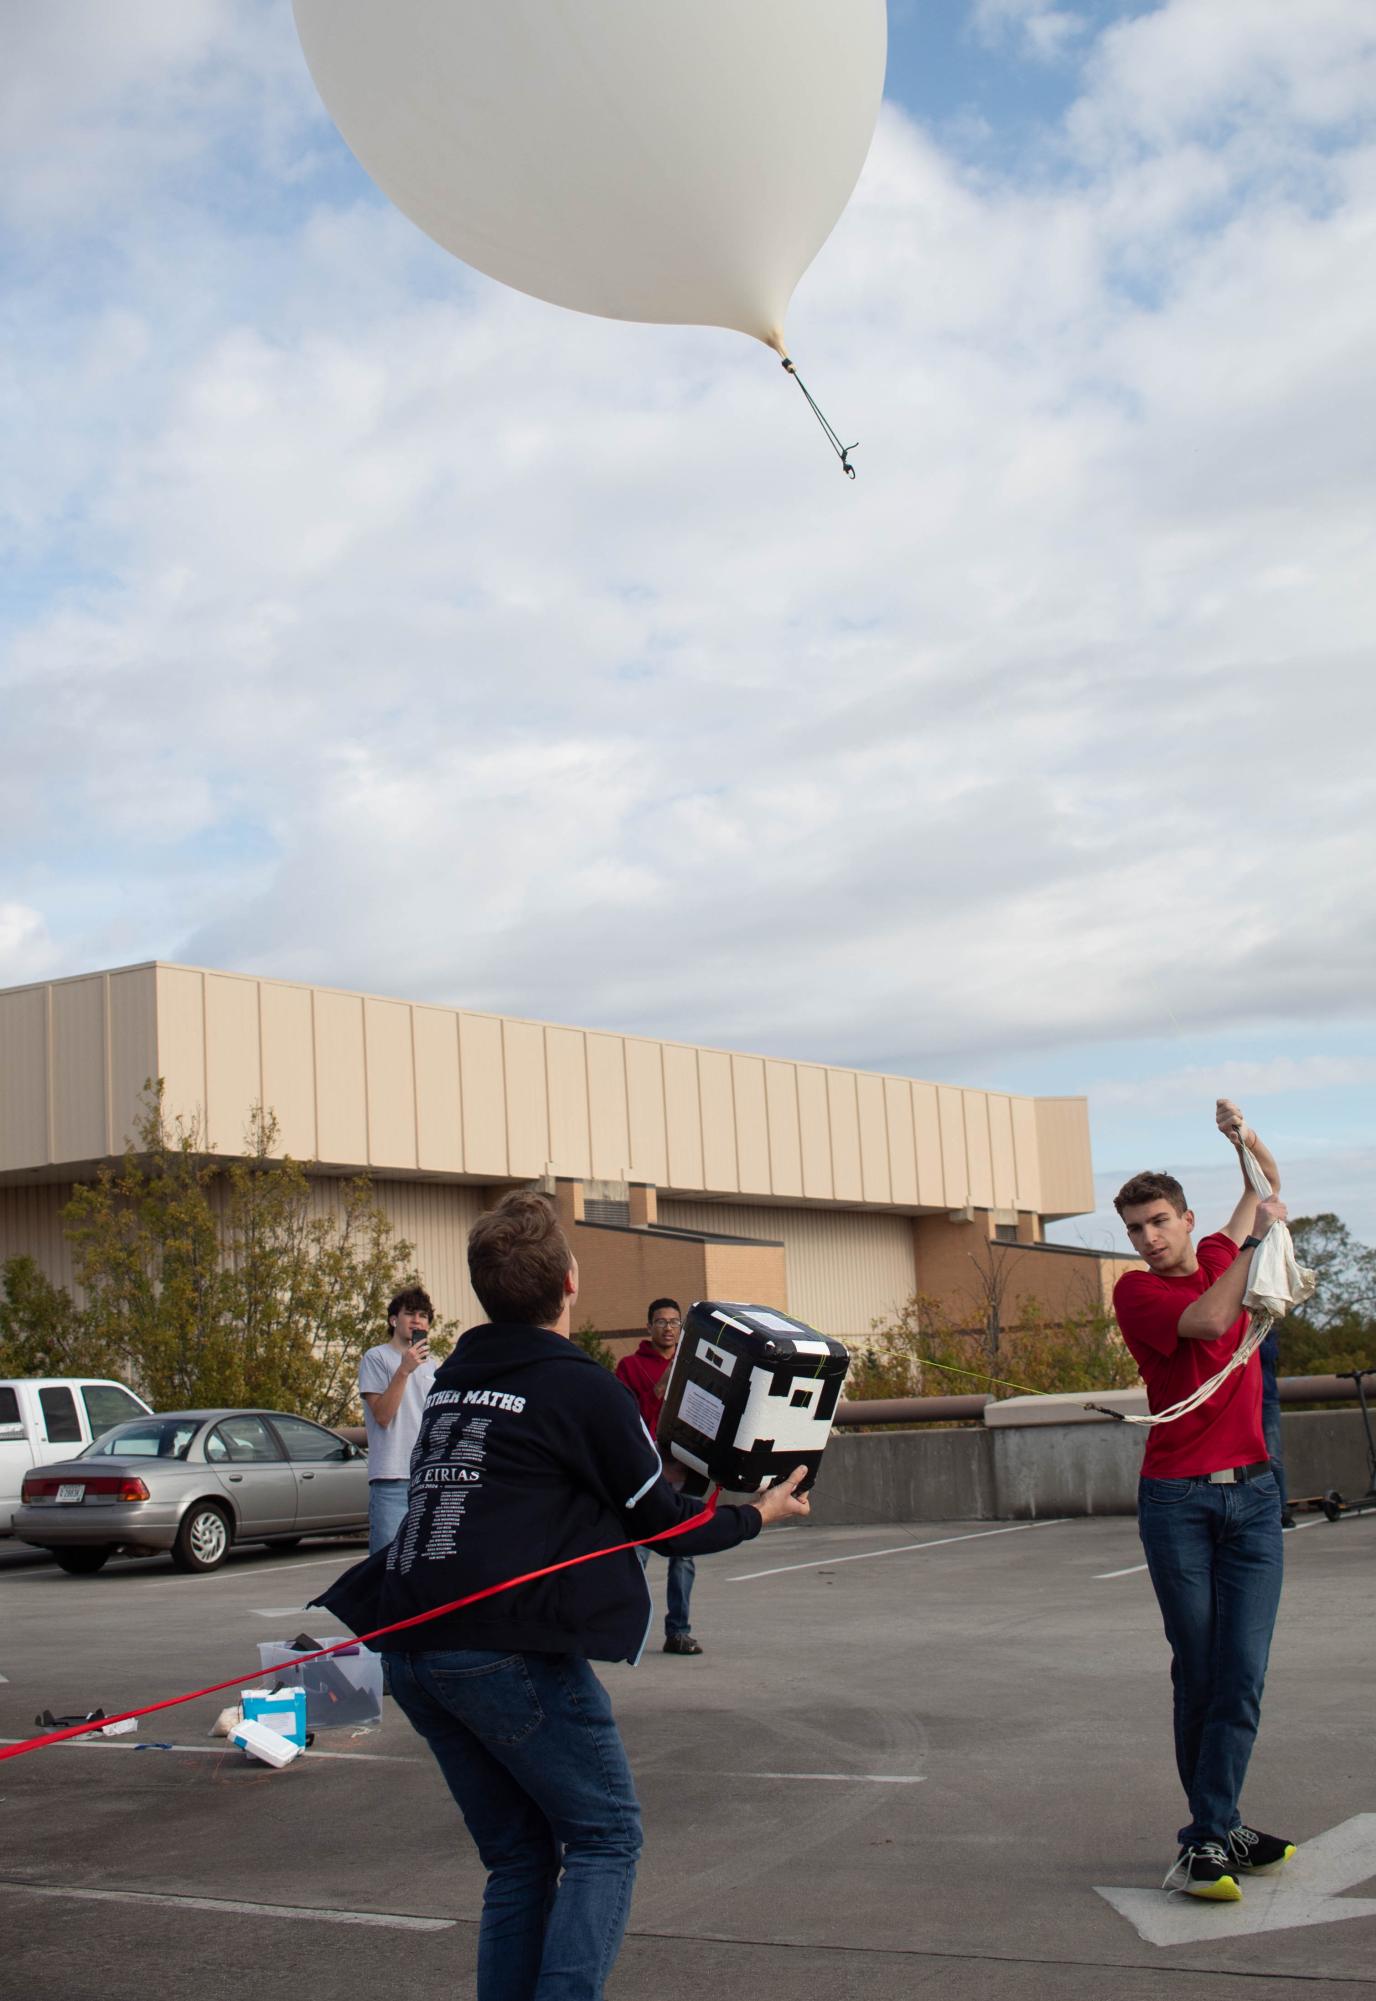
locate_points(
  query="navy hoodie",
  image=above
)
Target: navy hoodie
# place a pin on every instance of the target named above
(529, 1452)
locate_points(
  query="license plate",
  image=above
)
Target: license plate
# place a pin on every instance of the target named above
(74, 1492)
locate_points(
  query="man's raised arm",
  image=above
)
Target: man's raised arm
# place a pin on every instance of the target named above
(1234, 1128)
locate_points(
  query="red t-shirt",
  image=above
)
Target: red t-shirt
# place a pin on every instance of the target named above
(640, 1372)
(1225, 1431)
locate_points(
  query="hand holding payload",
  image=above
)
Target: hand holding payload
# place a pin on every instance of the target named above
(751, 1396)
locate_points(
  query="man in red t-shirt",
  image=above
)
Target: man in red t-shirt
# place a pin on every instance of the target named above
(646, 1376)
(1208, 1505)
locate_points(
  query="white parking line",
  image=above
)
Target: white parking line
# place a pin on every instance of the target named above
(1102, 1576)
(315, 1615)
(341, 1560)
(840, 1778)
(386, 1919)
(220, 1750)
(900, 1549)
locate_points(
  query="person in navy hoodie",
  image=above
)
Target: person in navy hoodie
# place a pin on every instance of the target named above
(530, 1453)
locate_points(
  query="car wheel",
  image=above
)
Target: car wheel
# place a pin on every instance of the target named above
(203, 1539)
(83, 1561)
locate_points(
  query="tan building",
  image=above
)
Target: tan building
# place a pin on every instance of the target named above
(696, 1172)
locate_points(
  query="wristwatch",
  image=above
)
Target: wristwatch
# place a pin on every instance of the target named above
(1249, 1243)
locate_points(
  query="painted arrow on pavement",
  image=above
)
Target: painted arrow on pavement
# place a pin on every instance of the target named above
(1307, 1891)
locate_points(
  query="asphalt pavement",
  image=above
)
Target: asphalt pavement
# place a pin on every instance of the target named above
(912, 1761)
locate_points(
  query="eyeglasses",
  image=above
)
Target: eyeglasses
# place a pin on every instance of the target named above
(658, 1321)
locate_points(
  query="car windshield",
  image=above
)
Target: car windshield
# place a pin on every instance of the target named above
(147, 1438)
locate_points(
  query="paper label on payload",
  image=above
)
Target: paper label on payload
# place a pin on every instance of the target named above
(775, 1323)
(702, 1410)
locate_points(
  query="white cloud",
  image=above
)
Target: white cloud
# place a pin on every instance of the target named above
(390, 628)
(1193, 1084)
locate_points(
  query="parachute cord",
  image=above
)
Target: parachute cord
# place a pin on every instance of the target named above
(842, 451)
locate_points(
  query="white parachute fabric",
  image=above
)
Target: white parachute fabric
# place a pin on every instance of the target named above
(1276, 1283)
(638, 159)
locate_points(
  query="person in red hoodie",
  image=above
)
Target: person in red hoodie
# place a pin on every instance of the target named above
(646, 1376)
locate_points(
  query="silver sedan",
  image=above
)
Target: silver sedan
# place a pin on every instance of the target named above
(194, 1482)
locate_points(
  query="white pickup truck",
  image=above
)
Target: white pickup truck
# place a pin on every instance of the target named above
(43, 1418)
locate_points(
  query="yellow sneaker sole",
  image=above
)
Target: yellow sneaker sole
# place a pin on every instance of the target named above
(1224, 1891)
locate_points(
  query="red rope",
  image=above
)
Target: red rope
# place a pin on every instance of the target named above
(343, 1646)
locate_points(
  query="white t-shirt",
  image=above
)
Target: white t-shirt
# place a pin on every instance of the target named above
(389, 1445)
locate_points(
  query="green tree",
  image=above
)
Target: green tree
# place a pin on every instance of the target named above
(224, 1282)
(589, 1338)
(1335, 1330)
(42, 1332)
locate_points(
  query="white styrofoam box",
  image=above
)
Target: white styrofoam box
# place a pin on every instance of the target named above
(261, 1741)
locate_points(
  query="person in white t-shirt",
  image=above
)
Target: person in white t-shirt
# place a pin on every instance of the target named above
(394, 1381)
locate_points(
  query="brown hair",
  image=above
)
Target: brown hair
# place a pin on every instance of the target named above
(415, 1299)
(517, 1259)
(1151, 1187)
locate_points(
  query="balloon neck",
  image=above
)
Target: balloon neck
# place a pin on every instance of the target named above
(775, 339)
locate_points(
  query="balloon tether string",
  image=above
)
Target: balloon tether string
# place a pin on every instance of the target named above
(842, 452)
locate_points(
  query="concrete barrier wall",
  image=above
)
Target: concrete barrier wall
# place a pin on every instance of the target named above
(1017, 1473)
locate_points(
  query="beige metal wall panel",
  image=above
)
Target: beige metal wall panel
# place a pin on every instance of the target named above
(785, 1142)
(484, 1094)
(288, 1033)
(874, 1137)
(645, 1111)
(814, 1127)
(77, 1057)
(719, 1170)
(527, 1099)
(752, 1126)
(843, 1113)
(1001, 1153)
(133, 1019)
(31, 1227)
(435, 1218)
(608, 1121)
(955, 1175)
(180, 1058)
(233, 1061)
(845, 1268)
(391, 1075)
(439, 1125)
(341, 1090)
(683, 1116)
(931, 1172)
(978, 1159)
(898, 1119)
(24, 1079)
(567, 1066)
(1025, 1155)
(1063, 1147)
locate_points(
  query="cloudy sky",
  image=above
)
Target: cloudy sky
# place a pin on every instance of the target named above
(367, 623)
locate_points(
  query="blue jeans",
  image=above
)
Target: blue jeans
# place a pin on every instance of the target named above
(1214, 1554)
(387, 1500)
(682, 1571)
(1269, 1354)
(530, 1750)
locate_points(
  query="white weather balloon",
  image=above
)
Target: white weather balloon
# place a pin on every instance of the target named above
(668, 160)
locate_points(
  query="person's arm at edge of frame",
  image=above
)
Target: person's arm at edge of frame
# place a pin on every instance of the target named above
(1214, 1312)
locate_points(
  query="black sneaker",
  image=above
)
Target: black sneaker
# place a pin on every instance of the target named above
(1287, 1520)
(681, 1643)
(1205, 1870)
(1257, 1853)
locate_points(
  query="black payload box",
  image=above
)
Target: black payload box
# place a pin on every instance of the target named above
(751, 1395)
